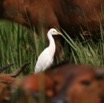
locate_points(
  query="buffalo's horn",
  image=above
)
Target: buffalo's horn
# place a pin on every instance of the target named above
(5, 67)
(19, 70)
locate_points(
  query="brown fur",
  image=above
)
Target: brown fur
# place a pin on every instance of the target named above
(5, 87)
(67, 82)
(6, 82)
(71, 15)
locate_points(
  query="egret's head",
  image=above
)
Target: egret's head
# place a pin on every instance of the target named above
(53, 31)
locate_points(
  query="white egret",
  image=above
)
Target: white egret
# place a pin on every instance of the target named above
(45, 59)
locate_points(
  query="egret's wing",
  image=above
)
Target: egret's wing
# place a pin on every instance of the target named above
(44, 61)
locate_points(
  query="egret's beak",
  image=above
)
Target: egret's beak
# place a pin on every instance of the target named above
(59, 33)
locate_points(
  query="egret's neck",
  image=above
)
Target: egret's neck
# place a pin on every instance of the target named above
(51, 43)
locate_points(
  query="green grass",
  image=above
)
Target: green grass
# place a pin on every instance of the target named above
(19, 45)
(86, 51)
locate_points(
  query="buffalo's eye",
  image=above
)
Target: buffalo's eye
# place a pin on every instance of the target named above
(86, 82)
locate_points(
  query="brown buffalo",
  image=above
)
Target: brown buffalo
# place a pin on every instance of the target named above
(78, 84)
(66, 83)
(71, 15)
(6, 81)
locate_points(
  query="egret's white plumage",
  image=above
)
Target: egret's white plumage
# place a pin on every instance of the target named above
(45, 59)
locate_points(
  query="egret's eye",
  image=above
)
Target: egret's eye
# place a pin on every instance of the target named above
(54, 31)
